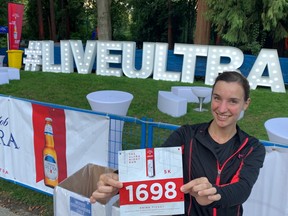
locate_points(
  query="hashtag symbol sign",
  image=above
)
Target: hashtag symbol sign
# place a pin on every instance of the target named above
(33, 59)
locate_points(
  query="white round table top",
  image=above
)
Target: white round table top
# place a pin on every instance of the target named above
(278, 126)
(110, 96)
(201, 91)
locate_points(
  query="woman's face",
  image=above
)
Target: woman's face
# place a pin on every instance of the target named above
(227, 103)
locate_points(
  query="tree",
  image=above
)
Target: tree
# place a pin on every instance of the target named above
(275, 17)
(190, 18)
(120, 19)
(52, 21)
(202, 33)
(104, 19)
(65, 20)
(75, 21)
(170, 28)
(161, 21)
(40, 20)
(249, 24)
(275, 21)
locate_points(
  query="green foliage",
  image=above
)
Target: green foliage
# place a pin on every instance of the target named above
(74, 20)
(275, 17)
(238, 23)
(120, 20)
(70, 18)
(145, 13)
(3, 13)
(30, 26)
(150, 20)
(3, 41)
(249, 23)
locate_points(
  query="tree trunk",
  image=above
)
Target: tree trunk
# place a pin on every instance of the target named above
(68, 30)
(40, 20)
(202, 33)
(104, 27)
(52, 19)
(170, 32)
(65, 19)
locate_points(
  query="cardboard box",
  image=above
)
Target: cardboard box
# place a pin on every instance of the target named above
(116, 209)
(71, 196)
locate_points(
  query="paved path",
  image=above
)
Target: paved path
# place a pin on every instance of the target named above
(20, 212)
(6, 212)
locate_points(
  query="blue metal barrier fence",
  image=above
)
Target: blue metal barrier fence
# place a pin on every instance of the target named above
(144, 133)
(135, 133)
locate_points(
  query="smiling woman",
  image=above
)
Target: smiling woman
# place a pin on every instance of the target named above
(221, 161)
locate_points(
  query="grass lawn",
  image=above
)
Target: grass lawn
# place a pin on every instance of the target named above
(71, 90)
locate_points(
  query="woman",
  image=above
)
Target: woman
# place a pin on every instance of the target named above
(221, 162)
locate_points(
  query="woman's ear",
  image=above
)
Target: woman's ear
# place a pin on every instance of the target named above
(247, 103)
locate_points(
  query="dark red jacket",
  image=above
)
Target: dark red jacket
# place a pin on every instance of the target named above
(233, 179)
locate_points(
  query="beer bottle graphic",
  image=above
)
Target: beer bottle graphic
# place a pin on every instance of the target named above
(15, 34)
(49, 156)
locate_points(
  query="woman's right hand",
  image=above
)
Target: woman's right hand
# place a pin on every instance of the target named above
(107, 187)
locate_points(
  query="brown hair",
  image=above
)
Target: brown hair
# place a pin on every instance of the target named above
(233, 76)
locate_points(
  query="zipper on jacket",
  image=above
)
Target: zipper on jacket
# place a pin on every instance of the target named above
(220, 168)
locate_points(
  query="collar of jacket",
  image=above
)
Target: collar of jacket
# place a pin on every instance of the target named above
(201, 133)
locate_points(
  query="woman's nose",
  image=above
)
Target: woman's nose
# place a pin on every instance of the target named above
(222, 107)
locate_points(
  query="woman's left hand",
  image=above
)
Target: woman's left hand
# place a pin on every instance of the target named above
(202, 190)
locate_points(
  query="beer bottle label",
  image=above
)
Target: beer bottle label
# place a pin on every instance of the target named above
(48, 130)
(50, 167)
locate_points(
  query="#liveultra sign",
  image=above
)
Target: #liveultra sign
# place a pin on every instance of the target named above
(154, 61)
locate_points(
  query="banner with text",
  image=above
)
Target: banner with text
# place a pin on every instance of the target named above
(42, 144)
(15, 20)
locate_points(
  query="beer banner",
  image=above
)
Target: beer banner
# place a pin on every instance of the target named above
(15, 19)
(41, 153)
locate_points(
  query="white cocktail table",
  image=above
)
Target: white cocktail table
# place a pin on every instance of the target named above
(277, 130)
(201, 92)
(112, 102)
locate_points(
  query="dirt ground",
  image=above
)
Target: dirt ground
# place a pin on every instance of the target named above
(19, 208)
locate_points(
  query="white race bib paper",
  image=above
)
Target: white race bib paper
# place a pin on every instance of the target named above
(151, 179)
